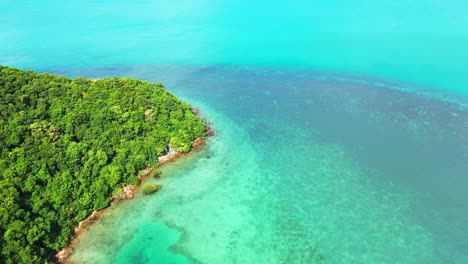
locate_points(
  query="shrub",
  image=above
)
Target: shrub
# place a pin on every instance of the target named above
(150, 188)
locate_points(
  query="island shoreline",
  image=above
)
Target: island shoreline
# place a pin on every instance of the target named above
(128, 193)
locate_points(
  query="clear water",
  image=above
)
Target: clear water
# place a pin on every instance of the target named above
(341, 127)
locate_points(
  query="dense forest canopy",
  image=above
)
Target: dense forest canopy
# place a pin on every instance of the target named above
(68, 145)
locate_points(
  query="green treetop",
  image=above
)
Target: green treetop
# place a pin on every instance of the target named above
(67, 145)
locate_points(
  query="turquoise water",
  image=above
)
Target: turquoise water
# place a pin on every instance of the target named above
(417, 41)
(341, 127)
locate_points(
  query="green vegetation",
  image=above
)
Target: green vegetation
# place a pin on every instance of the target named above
(150, 188)
(68, 145)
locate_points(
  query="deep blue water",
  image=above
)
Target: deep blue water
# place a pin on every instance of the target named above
(341, 127)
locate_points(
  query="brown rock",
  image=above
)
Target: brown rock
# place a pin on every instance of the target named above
(197, 142)
(129, 191)
(209, 132)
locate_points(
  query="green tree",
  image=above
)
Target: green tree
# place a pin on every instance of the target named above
(68, 145)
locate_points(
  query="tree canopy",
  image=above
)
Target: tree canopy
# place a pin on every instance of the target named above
(68, 145)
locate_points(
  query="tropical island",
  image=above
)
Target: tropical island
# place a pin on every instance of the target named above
(69, 145)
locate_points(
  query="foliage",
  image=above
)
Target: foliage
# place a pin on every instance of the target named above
(150, 188)
(67, 145)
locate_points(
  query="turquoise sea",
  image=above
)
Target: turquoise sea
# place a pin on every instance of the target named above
(341, 126)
